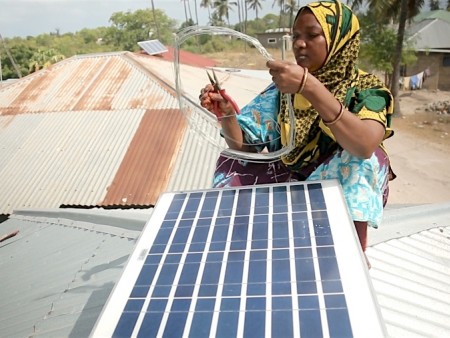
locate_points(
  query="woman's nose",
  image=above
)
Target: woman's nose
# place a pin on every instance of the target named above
(299, 43)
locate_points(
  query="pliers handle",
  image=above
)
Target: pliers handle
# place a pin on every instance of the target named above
(217, 89)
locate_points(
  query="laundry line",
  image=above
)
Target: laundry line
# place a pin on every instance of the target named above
(415, 81)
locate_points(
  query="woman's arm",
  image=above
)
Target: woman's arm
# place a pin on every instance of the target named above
(231, 130)
(358, 137)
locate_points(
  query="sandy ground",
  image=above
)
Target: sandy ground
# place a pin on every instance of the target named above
(419, 150)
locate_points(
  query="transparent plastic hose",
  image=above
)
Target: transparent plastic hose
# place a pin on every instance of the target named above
(187, 105)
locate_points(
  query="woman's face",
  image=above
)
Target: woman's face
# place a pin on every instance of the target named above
(308, 41)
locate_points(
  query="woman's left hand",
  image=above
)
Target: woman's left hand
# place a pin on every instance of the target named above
(287, 76)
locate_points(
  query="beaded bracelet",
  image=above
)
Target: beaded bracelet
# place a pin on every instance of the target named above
(303, 83)
(338, 117)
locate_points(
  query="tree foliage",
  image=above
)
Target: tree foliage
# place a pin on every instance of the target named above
(130, 27)
(378, 43)
(127, 28)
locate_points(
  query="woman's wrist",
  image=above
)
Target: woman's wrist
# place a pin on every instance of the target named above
(329, 108)
(303, 81)
(337, 118)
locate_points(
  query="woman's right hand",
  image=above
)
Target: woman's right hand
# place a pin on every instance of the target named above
(215, 103)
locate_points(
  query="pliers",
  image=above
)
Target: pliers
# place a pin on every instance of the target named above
(217, 89)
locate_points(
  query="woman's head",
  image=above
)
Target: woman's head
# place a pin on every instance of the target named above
(321, 31)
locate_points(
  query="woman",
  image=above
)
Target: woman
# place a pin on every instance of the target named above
(342, 117)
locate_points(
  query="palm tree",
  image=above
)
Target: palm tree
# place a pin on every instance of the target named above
(189, 8)
(239, 4)
(185, 11)
(291, 8)
(255, 5)
(207, 4)
(222, 9)
(196, 13)
(281, 4)
(404, 10)
(398, 54)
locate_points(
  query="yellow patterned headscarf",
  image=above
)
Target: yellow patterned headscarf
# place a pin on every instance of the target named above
(362, 93)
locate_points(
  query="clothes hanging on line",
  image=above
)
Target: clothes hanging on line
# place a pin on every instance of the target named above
(415, 81)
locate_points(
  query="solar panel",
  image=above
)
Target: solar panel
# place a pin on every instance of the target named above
(153, 47)
(278, 260)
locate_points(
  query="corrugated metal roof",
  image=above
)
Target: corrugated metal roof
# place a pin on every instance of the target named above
(85, 83)
(90, 130)
(410, 257)
(438, 14)
(106, 130)
(57, 273)
(430, 34)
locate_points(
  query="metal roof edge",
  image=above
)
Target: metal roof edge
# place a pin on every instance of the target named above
(422, 29)
(92, 55)
(407, 221)
(95, 219)
(131, 58)
(42, 71)
(433, 50)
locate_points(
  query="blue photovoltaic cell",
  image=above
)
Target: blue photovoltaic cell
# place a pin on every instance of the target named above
(152, 47)
(240, 259)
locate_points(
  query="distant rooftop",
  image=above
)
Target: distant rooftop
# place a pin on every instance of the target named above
(439, 14)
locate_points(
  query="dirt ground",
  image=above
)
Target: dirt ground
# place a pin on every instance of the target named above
(419, 149)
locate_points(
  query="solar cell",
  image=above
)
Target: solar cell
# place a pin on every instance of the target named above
(153, 47)
(278, 260)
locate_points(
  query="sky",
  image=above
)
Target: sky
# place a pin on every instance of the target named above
(33, 17)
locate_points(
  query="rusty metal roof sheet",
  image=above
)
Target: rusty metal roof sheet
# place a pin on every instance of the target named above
(84, 83)
(90, 130)
(106, 130)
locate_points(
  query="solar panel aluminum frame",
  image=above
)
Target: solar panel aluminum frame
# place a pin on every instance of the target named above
(363, 309)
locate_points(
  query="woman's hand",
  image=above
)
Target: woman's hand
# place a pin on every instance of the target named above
(359, 137)
(287, 76)
(231, 131)
(215, 103)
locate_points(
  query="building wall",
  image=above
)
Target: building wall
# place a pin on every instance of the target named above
(273, 40)
(440, 74)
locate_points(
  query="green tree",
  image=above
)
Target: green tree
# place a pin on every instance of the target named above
(21, 51)
(400, 11)
(44, 58)
(128, 28)
(378, 42)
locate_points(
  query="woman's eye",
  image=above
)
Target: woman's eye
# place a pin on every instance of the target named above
(308, 36)
(315, 35)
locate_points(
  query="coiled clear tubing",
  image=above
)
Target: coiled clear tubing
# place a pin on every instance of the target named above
(197, 122)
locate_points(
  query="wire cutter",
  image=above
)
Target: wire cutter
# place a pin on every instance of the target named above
(217, 89)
